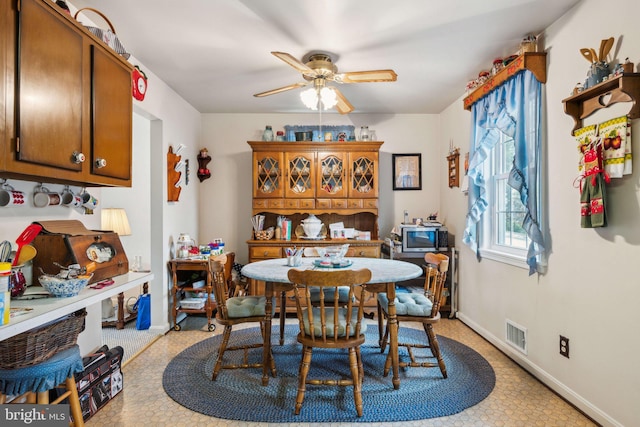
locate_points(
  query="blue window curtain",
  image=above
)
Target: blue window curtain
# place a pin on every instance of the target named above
(513, 109)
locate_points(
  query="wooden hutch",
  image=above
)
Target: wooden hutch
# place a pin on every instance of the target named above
(336, 181)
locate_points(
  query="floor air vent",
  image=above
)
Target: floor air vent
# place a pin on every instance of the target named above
(517, 336)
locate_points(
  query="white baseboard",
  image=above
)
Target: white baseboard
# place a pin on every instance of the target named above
(565, 392)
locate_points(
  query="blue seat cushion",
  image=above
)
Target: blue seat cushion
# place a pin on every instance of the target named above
(411, 304)
(342, 322)
(343, 294)
(42, 376)
(247, 306)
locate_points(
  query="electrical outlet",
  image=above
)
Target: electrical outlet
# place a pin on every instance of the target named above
(564, 346)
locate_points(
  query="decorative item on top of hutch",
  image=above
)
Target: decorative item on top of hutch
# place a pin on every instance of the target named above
(335, 181)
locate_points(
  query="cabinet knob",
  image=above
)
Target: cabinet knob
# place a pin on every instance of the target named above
(100, 163)
(361, 253)
(77, 157)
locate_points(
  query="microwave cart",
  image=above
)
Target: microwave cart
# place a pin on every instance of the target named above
(192, 276)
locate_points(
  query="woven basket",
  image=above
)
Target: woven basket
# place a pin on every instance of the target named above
(264, 234)
(39, 344)
(528, 46)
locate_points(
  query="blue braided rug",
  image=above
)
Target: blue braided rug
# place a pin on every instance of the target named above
(237, 394)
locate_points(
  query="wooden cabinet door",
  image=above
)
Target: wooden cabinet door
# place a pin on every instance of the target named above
(68, 100)
(111, 119)
(331, 172)
(363, 174)
(49, 93)
(267, 174)
(300, 175)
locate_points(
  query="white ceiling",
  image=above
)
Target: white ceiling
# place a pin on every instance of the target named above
(216, 53)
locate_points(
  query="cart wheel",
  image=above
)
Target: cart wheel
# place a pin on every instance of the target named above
(177, 327)
(212, 327)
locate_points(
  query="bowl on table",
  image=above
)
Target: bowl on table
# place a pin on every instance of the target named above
(335, 253)
(63, 288)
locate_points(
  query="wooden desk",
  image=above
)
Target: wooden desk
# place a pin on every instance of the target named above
(48, 309)
(200, 265)
(384, 274)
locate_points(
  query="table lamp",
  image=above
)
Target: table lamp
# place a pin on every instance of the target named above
(115, 219)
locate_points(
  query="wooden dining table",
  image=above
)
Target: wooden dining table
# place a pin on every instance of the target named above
(385, 273)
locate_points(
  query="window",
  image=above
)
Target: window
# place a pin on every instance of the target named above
(502, 237)
(504, 221)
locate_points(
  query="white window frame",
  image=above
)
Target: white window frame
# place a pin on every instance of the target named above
(489, 246)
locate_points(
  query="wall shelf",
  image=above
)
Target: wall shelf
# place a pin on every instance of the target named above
(453, 161)
(536, 62)
(623, 88)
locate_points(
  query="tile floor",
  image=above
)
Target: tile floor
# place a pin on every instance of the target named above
(517, 400)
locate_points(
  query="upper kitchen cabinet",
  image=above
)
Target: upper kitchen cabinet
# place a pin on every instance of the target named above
(67, 97)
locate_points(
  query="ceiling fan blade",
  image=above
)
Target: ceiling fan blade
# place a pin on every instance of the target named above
(280, 89)
(302, 68)
(343, 106)
(367, 76)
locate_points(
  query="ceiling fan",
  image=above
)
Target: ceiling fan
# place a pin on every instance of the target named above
(318, 68)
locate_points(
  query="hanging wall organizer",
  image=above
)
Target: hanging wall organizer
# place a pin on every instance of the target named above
(623, 88)
(174, 176)
(453, 160)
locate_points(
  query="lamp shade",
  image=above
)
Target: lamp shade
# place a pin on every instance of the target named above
(115, 219)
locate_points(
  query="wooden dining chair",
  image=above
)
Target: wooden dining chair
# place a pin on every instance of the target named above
(343, 295)
(343, 291)
(422, 308)
(330, 325)
(235, 310)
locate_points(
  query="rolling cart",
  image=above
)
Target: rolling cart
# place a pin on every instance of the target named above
(181, 268)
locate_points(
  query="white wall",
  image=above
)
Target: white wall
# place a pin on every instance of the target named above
(590, 293)
(137, 198)
(170, 121)
(225, 198)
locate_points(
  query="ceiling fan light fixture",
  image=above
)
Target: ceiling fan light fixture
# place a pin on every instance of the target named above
(325, 95)
(309, 98)
(328, 97)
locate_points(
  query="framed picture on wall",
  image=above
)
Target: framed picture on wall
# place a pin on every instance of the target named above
(407, 171)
